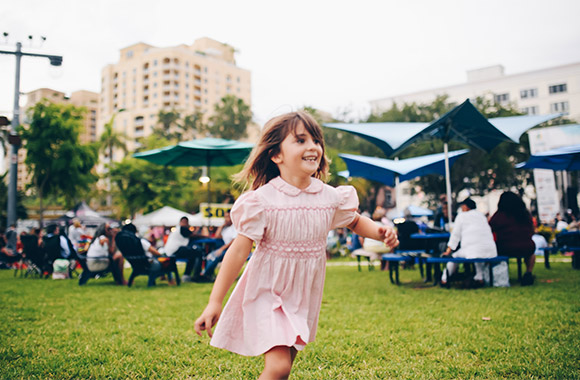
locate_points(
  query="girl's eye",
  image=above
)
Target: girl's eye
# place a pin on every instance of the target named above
(301, 141)
(317, 142)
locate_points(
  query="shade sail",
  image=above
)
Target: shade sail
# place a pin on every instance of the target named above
(387, 136)
(564, 158)
(384, 171)
(202, 152)
(515, 126)
(463, 123)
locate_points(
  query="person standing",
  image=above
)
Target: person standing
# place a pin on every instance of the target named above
(273, 310)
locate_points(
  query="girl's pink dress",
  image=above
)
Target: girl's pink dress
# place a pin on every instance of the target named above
(277, 300)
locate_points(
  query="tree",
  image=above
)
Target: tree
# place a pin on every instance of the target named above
(111, 139)
(174, 128)
(21, 212)
(57, 163)
(231, 118)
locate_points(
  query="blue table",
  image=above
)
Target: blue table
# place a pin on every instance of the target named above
(430, 243)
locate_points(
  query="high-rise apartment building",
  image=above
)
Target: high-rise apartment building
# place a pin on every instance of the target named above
(186, 78)
(88, 134)
(550, 90)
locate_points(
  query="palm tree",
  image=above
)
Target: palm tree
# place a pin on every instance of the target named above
(109, 140)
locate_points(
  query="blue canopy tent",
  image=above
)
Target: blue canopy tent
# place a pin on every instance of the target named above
(515, 126)
(466, 124)
(387, 136)
(463, 123)
(385, 171)
(564, 158)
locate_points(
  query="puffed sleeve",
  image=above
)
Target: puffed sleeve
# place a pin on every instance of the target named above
(347, 206)
(248, 216)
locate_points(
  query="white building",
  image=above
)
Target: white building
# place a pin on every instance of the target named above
(550, 90)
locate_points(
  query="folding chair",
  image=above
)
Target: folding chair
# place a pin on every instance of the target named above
(130, 246)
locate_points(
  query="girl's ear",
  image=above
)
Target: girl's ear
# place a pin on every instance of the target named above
(276, 159)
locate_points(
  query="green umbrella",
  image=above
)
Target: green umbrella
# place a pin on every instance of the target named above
(203, 152)
(206, 152)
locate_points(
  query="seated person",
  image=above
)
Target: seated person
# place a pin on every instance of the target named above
(150, 251)
(474, 233)
(179, 245)
(7, 256)
(404, 232)
(227, 232)
(102, 250)
(539, 242)
(513, 229)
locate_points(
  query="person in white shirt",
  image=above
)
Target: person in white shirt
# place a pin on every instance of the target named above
(473, 231)
(103, 247)
(179, 245)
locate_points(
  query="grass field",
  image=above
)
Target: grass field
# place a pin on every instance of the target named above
(369, 329)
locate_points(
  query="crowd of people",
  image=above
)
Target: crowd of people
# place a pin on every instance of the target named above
(54, 252)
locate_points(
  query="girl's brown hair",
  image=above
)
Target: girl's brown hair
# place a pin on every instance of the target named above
(259, 168)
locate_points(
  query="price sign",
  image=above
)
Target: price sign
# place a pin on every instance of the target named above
(214, 210)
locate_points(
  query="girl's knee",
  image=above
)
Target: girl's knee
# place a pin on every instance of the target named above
(278, 363)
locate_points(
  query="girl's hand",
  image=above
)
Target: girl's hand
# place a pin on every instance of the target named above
(208, 318)
(389, 236)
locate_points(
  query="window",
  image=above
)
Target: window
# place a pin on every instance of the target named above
(130, 54)
(559, 107)
(533, 110)
(502, 98)
(558, 88)
(529, 93)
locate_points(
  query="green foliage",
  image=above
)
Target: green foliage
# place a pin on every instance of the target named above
(111, 139)
(59, 165)
(21, 212)
(231, 118)
(174, 127)
(368, 329)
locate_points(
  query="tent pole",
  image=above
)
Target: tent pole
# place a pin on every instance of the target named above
(397, 198)
(448, 182)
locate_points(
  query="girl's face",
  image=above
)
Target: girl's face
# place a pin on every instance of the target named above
(299, 155)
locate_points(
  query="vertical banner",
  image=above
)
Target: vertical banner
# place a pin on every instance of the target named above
(541, 140)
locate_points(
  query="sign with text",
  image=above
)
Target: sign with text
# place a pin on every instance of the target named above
(214, 210)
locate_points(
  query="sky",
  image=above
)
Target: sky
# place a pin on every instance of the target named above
(333, 55)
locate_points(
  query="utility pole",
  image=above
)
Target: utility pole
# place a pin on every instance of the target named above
(13, 138)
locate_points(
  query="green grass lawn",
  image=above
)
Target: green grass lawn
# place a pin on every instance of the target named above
(369, 329)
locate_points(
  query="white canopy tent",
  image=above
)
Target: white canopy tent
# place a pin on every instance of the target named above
(168, 217)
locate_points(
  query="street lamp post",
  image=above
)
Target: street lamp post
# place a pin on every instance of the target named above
(13, 138)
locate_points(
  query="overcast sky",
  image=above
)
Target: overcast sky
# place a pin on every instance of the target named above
(331, 54)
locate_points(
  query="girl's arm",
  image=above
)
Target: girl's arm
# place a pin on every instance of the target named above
(230, 268)
(363, 226)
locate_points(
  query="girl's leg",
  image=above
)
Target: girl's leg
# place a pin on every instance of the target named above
(278, 363)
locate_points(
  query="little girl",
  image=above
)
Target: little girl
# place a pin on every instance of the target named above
(274, 308)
